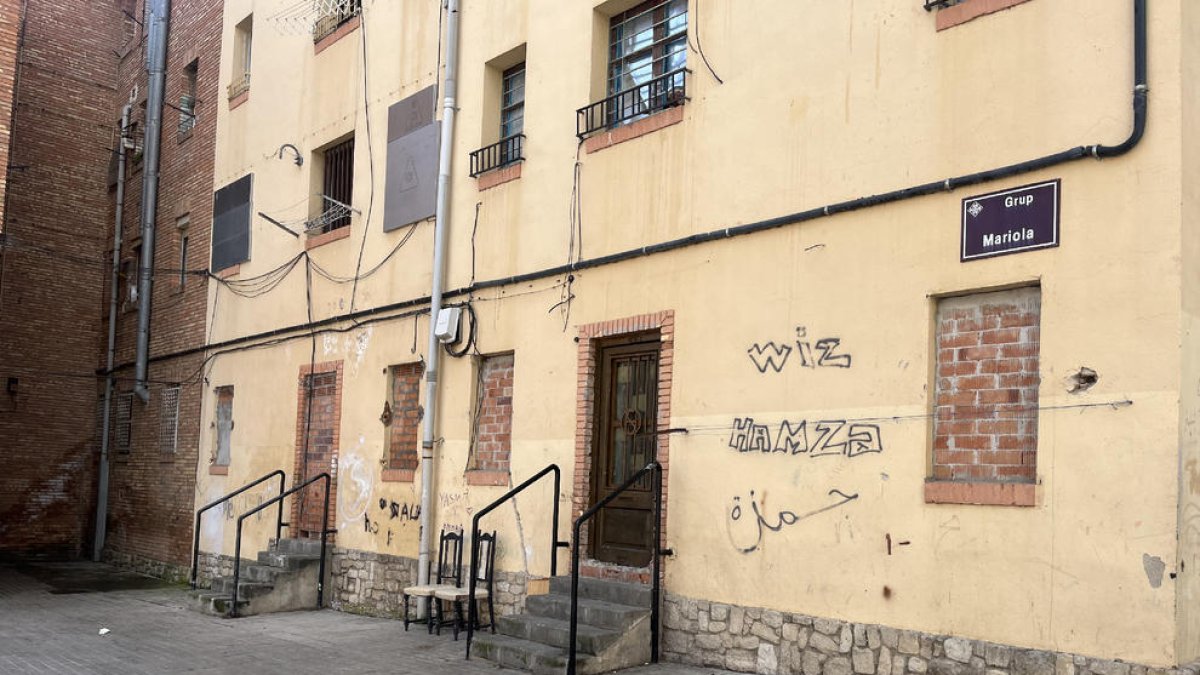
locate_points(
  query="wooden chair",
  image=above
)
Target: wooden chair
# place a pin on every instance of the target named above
(449, 573)
(485, 548)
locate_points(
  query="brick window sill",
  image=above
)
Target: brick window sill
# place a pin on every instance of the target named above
(231, 271)
(341, 32)
(491, 179)
(972, 9)
(236, 101)
(481, 477)
(987, 494)
(313, 241)
(399, 475)
(628, 132)
(218, 469)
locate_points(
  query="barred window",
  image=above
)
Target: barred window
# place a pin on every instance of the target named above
(124, 425)
(512, 102)
(645, 42)
(168, 420)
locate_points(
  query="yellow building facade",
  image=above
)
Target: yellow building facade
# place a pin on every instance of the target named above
(796, 377)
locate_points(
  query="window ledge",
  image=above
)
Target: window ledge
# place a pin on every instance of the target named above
(231, 271)
(628, 132)
(341, 31)
(313, 241)
(218, 469)
(971, 9)
(990, 494)
(398, 475)
(500, 176)
(235, 101)
(481, 477)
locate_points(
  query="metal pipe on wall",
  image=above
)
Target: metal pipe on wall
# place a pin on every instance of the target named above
(156, 67)
(441, 221)
(113, 302)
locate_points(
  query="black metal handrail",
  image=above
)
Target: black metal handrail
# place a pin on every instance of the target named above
(665, 91)
(499, 154)
(278, 522)
(652, 467)
(325, 531)
(555, 544)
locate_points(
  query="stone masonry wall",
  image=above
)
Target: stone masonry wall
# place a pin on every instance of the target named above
(755, 640)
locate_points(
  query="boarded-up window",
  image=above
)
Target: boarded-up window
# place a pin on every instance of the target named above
(168, 420)
(491, 441)
(223, 424)
(124, 422)
(231, 223)
(986, 407)
(410, 186)
(405, 417)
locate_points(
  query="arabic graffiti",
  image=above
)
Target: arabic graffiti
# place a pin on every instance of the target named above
(792, 438)
(783, 519)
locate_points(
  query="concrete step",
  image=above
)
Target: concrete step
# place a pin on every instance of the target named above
(214, 603)
(535, 657)
(287, 561)
(591, 612)
(297, 546)
(616, 592)
(246, 589)
(266, 574)
(557, 632)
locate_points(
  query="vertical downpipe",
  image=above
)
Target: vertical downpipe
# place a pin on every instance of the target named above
(113, 302)
(441, 222)
(156, 65)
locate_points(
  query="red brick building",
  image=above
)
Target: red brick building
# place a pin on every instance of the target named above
(77, 74)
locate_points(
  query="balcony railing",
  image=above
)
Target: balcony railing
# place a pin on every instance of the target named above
(665, 91)
(506, 151)
(342, 13)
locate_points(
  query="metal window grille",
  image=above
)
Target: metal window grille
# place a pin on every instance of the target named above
(338, 185)
(183, 255)
(646, 42)
(168, 420)
(512, 102)
(334, 13)
(662, 92)
(187, 100)
(124, 425)
(496, 155)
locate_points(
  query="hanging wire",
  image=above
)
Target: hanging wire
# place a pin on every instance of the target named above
(362, 27)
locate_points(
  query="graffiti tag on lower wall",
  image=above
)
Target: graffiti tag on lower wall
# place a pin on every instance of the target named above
(828, 437)
(819, 353)
(763, 523)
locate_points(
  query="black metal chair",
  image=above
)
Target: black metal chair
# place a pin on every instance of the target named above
(485, 553)
(448, 575)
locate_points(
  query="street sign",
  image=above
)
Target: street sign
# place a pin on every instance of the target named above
(1010, 221)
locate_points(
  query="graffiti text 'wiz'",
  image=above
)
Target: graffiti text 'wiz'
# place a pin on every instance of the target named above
(821, 353)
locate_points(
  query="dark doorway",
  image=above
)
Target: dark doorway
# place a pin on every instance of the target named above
(626, 439)
(319, 418)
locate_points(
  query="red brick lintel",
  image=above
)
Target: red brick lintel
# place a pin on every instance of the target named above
(239, 99)
(313, 241)
(990, 494)
(398, 475)
(481, 477)
(218, 469)
(971, 9)
(499, 176)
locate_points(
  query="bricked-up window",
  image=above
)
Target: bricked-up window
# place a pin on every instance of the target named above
(124, 422)
(491, 435)
(986, 394)
(224, 425)
(168, 420)
(404, 425)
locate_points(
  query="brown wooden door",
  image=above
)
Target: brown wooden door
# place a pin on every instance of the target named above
(625, 441)
(316, 451)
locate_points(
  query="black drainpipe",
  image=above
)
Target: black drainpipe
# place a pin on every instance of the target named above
(1140, 103)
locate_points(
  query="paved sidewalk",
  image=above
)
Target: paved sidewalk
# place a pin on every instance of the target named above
(51, 615)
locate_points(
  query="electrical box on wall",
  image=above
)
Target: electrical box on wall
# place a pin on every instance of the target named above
(446, 327)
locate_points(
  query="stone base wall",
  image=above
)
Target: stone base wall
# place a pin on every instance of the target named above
(211, 566)
(755, 640)
(148, 566)
(370, 583)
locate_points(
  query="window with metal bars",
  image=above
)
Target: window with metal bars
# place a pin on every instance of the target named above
(124, 423)
(334, 14)
(187, 99)
(512, 102)
(338, 185)
(646, 42)
(168, 420)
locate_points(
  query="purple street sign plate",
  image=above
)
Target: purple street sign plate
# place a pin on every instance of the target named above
(1019, 219)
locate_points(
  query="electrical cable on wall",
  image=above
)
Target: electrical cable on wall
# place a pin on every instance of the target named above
(699, 48)
(362, 27)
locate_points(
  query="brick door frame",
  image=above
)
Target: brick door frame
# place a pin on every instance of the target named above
(590, 339)
(301, 405)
